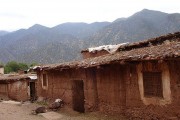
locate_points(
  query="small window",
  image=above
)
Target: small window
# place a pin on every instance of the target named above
(152, 84)
(44, 80)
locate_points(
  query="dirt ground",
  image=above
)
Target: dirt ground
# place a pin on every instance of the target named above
(10, 110)
(23, 112)
(18, 112)
(151, 112)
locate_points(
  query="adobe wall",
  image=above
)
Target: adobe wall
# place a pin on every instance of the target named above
(174, 69)
(3, 91)
(170, 81)
(91, 92)
(117, 88)
(152, 66)
(86, 54)
(113, 88)
(18, 91)
(108, 88)
(133, 98)
(60, 86)
(164, 108)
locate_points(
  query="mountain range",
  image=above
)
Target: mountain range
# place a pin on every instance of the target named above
(3, 33)
(65, 41)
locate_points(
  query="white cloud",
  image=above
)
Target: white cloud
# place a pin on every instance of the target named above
(15, 14)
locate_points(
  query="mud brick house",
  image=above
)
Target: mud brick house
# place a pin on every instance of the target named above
(137, 74)
(17, 87)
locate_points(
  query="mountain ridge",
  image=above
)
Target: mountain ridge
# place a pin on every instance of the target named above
(64, 42)
(142, 25)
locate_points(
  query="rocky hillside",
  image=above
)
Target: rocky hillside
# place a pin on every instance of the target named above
(46, 45)
(65, 41)
(142, 25)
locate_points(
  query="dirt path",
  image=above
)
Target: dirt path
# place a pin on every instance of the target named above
(17, 111)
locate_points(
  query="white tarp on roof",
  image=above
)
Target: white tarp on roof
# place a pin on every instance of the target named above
(35, 67)
(33, 77)
(108, 48)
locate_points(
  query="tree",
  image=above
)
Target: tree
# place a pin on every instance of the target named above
(23, 66)
(1, 64)
(13, 66)
(33, 64)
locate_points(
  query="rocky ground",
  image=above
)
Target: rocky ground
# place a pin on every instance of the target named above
(18, 111)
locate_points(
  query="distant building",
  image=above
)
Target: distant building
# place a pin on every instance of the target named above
(18, 87)
(137, 74)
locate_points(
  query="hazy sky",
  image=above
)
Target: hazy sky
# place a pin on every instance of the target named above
(16, 14)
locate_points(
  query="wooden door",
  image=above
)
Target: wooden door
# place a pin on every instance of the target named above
(78, 95)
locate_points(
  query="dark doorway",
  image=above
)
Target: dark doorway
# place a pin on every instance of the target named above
(32, 91)
(78, 95)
